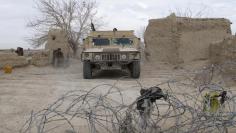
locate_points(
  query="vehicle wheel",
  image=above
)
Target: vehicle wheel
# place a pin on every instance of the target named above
(87, 70)
(135, 69)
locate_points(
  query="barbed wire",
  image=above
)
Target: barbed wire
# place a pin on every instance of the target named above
(173, 106)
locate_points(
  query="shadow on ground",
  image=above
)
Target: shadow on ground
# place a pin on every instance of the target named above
(111, 74)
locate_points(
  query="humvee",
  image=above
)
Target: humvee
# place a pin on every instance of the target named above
(111, 50)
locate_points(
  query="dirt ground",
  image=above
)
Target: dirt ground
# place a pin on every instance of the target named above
(33, 88)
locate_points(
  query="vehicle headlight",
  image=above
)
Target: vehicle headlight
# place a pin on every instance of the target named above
(86, 55)
(97, 57)
(123, 57)
(135, 55)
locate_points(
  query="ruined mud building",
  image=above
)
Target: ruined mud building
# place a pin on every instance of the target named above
(223, 53)
(58, 39)
(177, 40)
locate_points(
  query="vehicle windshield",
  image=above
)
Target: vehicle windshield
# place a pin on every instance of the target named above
(123, 41)
(101, 41)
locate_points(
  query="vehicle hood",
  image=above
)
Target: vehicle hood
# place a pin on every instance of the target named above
(92, 50)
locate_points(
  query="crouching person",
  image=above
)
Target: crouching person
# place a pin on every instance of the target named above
(145, 105)
(58, 58)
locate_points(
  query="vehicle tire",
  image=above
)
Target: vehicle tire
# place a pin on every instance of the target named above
(87, 70)
(135, 69)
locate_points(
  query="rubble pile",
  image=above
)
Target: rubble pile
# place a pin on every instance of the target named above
(40, 58)
(12, 59)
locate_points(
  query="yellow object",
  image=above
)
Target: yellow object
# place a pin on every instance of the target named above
(211, 102)
(8, 69)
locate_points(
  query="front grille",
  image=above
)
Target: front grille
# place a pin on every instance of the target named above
(111, 57)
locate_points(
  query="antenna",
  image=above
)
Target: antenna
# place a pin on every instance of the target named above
(92, 27)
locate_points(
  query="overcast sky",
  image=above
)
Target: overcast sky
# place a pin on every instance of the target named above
(123, 14)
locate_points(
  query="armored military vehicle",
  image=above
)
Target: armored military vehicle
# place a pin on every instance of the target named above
(111, 50)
